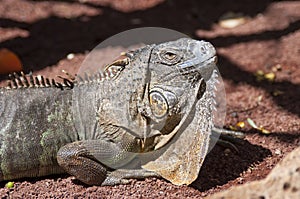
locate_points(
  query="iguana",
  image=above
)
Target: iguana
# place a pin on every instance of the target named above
(147, 114)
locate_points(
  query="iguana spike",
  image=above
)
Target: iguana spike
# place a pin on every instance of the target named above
(81, 80)
(25, 80)
(67, 83)
(18, 80)
(48, 83)
(101, 75)
(31, 79)
(93, 78)
(42, 81)
(71, 77)
(9, 86)
(37, 82)
(57, 84)
(86, 77)
(109, 72)
(13, 81)
(98, 77)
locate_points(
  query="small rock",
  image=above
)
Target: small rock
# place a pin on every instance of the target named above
(277, 152)
(227, 152)
(232, 20)
(240, 180)
(70, 56)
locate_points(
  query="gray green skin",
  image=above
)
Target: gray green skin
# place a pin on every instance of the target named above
(142, 122)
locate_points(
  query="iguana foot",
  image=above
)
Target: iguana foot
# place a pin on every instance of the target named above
(226, 132)
(76, 160)
(228, 138)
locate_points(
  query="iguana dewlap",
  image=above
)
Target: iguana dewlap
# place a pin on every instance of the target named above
(149, 114)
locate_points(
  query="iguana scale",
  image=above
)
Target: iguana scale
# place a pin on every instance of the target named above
(148, 114)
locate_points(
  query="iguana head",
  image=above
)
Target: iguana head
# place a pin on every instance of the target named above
(177, 76)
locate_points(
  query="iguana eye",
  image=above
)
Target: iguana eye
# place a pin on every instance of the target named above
(169, 57)
(159, 104)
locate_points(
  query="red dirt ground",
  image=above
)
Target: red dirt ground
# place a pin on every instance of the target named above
(43, 33)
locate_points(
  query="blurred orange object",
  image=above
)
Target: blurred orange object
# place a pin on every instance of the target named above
(9, 62)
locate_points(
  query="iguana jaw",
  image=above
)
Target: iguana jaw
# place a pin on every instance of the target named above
(197, 62)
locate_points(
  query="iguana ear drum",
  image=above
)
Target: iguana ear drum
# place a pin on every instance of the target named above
(159, 104)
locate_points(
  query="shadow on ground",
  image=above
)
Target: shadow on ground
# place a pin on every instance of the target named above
(228, 166)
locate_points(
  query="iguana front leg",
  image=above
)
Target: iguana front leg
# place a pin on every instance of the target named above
(227, 138)
(226, 132)
(97, 162)
(122, 176)
(76, 160)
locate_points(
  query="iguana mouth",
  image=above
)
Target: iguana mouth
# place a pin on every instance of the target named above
(196, 62)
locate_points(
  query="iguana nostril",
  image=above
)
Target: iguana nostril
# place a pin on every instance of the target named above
(203, 50)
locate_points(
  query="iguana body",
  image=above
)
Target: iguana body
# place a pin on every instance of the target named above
(146, 115)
